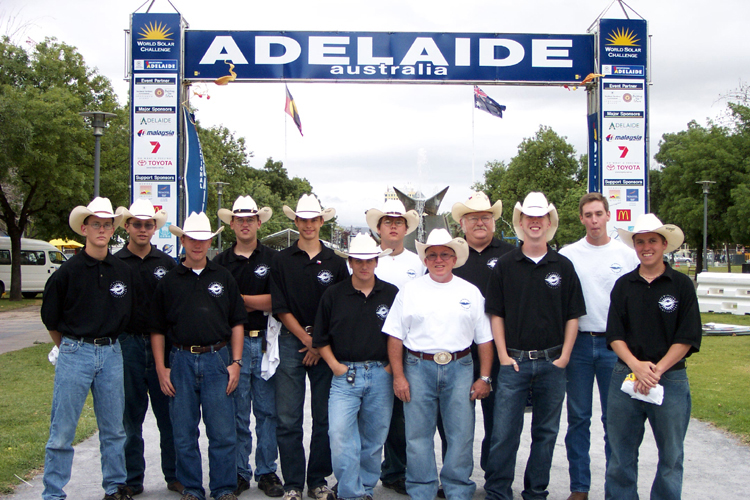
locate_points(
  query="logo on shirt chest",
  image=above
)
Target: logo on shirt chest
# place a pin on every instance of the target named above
(160, 272)
(118, 289)
(615, 268)
(216, 289)
(492, 262)
(668, 304)
(465, 303)
(262, 271)
(325, 277)
(382, 311)
(553, 280)
(411, 273)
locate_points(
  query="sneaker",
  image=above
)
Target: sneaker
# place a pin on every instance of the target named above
(242, 485)
(399, 485)
(292, 495)
(121, 494)
(133, 490)
(227, 496)
(176, 486)
(322, 492)
(270, 484)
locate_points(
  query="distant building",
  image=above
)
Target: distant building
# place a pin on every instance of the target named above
(390, 194)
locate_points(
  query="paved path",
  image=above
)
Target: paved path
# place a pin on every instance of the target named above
(717, 465)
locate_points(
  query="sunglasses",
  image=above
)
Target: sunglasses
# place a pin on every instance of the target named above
(140, 225)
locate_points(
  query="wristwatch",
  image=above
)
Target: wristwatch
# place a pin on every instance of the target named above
(486, 379)
(238, 361)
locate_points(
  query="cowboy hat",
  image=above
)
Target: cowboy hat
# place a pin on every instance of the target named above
(144, 210)
(441, 237)
(197, 226)
(308, 207)
(99, 207)
(477, 202)
(535, 205)
(392, 208)
(363, 247)
(650, 223)
(245, 206)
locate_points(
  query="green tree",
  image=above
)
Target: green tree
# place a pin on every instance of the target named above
(45, 148)
(545, 163)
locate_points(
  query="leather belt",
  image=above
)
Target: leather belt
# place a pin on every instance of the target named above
(441, 358)
(548, 354)
(594, 334)
(97, 340)
(201, 349)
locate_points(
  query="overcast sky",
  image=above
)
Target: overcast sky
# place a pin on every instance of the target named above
(360, 139)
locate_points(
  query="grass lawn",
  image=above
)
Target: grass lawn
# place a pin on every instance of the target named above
(26, 378)
(8, 305)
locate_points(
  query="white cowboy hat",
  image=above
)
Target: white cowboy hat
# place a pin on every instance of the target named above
(649, 223)
(99, 207)
(535, 205)
(144, 210)
(245, 206)
(308, 207)
(392, 208)
(441, 237)
(197, 226)
(363, 247)
(478, 202)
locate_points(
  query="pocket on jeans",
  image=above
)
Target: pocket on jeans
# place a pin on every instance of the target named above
(68, 346)
(411, 360)
(466, 360)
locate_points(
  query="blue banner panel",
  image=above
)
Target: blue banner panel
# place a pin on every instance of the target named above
(378, 57)
(195, 168)
(622, 47)
(155, 42)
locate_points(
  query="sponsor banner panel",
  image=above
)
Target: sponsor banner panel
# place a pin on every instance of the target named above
(623, 47)
(376, 56)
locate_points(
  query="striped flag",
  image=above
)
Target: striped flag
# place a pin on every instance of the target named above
(291, 110)
(486, 103)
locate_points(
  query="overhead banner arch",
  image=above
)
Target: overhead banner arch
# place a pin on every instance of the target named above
(166, 57)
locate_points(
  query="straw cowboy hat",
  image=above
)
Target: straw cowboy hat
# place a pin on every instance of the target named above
(649, 223)
(441, 237)
(245, 206)
(308, 207)
(143, 210)
(363, 247)
(197, 226)
(478, 202)
(535, 205)
(99, 207)
(392, 208)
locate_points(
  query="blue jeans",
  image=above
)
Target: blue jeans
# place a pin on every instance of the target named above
(669, 422)
(393, 467)
(259, 395)
(590, 359)
(200, 383)
(141, 381)
(80, 367)
(547, 384)
(446, 388)
(359, 416)
(290, 382)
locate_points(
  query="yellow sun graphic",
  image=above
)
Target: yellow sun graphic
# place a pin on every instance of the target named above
(623, 37)
(156, 31)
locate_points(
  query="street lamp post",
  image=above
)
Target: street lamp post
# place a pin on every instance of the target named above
(219, 192)
(706, 185)
(98, 122)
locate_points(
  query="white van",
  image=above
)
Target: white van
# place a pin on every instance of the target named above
(39, 260)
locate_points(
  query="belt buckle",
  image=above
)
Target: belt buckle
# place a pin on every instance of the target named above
(534, 354)
(442, 358)
(101, 341)
(195, 349)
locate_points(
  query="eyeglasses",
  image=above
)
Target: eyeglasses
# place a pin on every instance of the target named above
(473, 219)
(140, 225)
(245, 221)
(394, 222)
(443, 256)
(98, 225)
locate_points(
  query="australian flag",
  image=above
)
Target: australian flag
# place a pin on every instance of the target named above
(486, 103)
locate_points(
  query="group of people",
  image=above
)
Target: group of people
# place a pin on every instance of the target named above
(395, 345)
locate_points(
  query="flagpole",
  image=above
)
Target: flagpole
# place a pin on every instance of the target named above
(285, 127)
(473, 149)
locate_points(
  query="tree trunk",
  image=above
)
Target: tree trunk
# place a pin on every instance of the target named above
(729, 257)
(15, 262)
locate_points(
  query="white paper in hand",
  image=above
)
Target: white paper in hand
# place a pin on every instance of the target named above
(52, 356)
(655, 395)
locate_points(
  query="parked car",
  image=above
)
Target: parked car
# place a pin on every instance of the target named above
(39, 260)
(683, 260)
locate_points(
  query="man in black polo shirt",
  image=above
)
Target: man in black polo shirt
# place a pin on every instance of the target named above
(250, 264)
(300, 274)
(348, 334)
(149, 266)
(477, 220)
(653, 325)
(87, 305)
(198, 305)
(534, 299)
